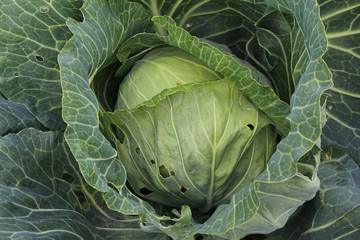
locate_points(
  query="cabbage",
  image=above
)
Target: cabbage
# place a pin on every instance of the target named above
(195, 147)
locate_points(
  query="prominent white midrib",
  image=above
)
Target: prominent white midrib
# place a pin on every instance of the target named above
(330, 115)
(349, 51)
(342, 34)
(344, 92)
(339, 12)
(326, 225)
(187, 15)
(210, 194)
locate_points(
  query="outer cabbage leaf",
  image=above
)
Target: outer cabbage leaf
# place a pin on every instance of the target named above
(228, 22)
(342, 130)
(36, 201)
(15, 117)
(94, 43)
(278, 48)
(334, 213)
(43, 195)
(32, 35)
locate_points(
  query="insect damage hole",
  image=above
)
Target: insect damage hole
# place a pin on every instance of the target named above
(199, 237)
(137, 150)
(164, 172)
(39, 58)
(68, 177)
(44, 9)
(183, 190)
(250, 126)
(145, 191)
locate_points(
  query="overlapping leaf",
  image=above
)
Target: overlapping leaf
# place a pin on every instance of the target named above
(15, 117)
(43, 195)
(263, 97)
(278, 48)
(334, 213)
(32, 35)
(229, 22)
(35, 200)
(95, 42)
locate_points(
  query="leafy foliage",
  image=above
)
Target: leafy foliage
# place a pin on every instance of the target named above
(36, 200)
(32, 35)
(62, 145)
(326, 216)
(342, 128)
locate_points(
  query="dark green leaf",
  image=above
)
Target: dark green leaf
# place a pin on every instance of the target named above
(334, 213)
(15, 117)
(37, 174)
(32, 35)
(94, 43)
(342, 130)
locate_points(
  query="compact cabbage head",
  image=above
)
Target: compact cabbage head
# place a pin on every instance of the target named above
(188, 135)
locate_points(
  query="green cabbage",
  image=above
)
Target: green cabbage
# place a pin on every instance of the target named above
(194, 147)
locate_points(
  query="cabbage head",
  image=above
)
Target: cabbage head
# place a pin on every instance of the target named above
(198, 139)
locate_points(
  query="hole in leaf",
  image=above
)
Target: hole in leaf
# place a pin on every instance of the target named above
(250, 126)
(152, 161)
(113, 187)
(137, 150)
(183, 190)
(145, 191)
(199, 237)
(167, 223)
(39, 58)
(16, 74)
(164, 172)
(44, 9)
(68, 178)
(172, 173)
